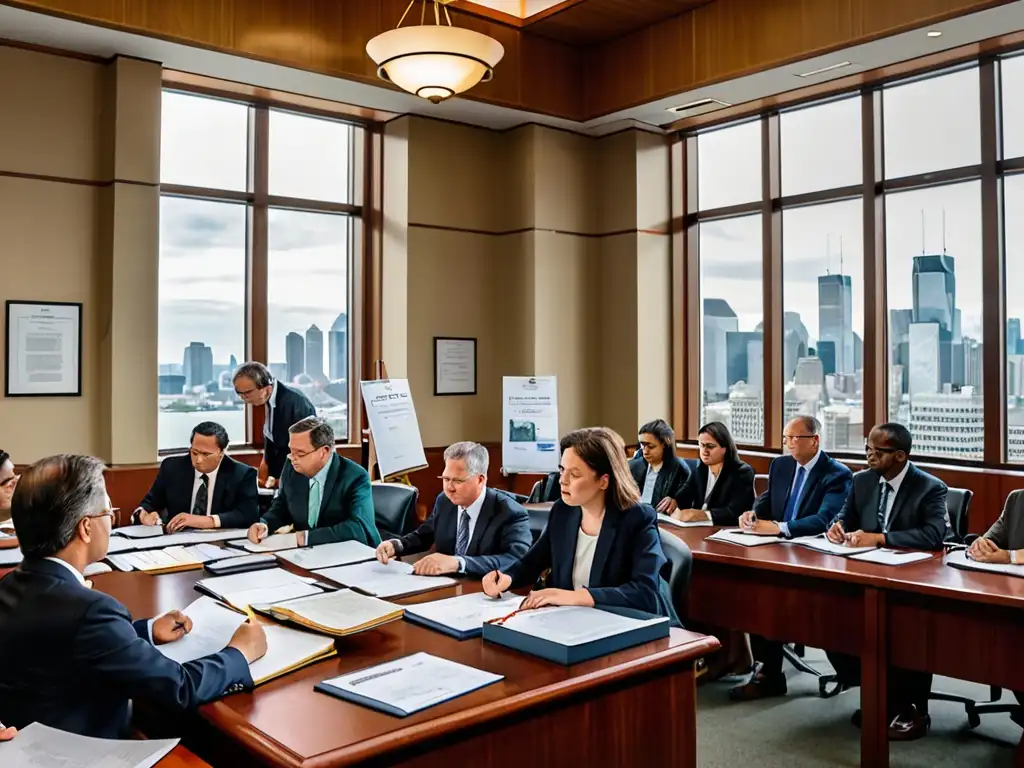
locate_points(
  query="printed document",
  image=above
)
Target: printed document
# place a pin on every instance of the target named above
(339, 613)
(680, 524)
(268, 586)
(466, 612)
(273, 543)
(395, 578)
(959, 559)
(139, 531)
(212, 628)
(821, 544)
(287, 650)
(736, 536)
(40, 746)
(328, 555)
(575, 625)
(892, 557)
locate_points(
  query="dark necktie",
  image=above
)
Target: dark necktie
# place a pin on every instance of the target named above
(883, 504)
(199, 505)
(462, 542)
(794, 495)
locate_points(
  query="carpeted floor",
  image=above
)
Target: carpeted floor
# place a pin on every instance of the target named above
(802, 730)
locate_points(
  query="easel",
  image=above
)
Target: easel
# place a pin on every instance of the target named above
(380, 372)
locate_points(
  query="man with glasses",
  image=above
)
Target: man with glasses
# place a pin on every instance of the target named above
(324, 497)
(475, 529)
(203, 489)
(73, 658)
(284, 406)
(892, 504)
(806, 490)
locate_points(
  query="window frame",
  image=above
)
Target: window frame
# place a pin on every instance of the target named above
(363, 268)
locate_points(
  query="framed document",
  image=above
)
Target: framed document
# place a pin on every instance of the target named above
(454, 366)
(44, 349)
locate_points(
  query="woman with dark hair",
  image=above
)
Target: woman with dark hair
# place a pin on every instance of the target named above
(601, 544)
(722, 487)
(8, 480)
(658, 473)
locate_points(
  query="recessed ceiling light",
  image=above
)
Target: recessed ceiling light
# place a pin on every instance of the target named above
(705, 104)
(840, 65)
(934, 33)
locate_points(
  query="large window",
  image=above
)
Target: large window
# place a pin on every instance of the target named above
(729, 172)
(256, 203)
(1012, 84)
(821, 147)
(1013, 200)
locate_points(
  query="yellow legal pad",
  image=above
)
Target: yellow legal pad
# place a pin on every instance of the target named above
(288, 650)
(338, 613)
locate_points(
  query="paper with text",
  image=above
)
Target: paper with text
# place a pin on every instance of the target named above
(736, 536)
(892, 557)
(139, 531)
(821, 544)
(329, 555)
(268, 586)
(395, 578)
(466, 612)
(680, 524)
(341, 612)
(39, 746)
(288, 649)
(575, 625)
(273, 543)
(212, 628)
(959, 559)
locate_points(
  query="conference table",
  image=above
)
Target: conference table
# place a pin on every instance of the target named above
(924, 616)
(542, 714)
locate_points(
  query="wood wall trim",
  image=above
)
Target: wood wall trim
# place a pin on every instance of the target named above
(523, 230)
(75, 181)
(53, 51)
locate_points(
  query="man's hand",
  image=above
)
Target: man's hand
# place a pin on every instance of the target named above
(544, 597)
(667, 505)
(257, 532)
(747, 520)
(184, 520)
(435, 564)
(836, 534)
(985, 551)
(300, 538)
(386, 551)
(148, 518)
(251, 640)
(690, 515)
(765, 528)
(6, 734)
(170, 627)
(862, 539)
(271, 482)
(495, 583)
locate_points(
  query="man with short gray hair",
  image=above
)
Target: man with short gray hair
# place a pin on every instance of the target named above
(475, 529)
(72, 655)
(324, 497)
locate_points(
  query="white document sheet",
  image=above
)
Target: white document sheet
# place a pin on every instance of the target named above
(342, 610)
(960, 559)
(329, 555)
(121, 562)
(139, 531)
(39, 746)
(273, 543)
(680, 524)
(120, 544)
(157, 559)
(212, 628)
(10, 557)
(268, 586)
(395, 578)
(190, 537)
(414, 682)
(466, 612)
(286, 648)
(575, 625)
(95, 569)
(892, 557)
(736, 536)
(821, 544)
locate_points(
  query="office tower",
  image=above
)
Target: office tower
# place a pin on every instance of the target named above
(739, 359)
(795, 342)
(948, 424)
(835, 318)
(1013, 336)
(972, 351)
(858, 353)
(294, 355)
(170, 384)
(899, 337)
(934, 284)
(719, 320)
(233, 362)
(315, 353)
(746, 412)
(924, 377)
(827, 353)
(842, 428)
(1015, 376)
(897, 388)
(337, 346)
(198, 364)
(755, 363)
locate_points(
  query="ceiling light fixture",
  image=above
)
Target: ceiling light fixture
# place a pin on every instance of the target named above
(435, 61)
(823, 70)
(934, 33)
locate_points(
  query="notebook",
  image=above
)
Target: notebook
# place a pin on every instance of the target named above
(736, 536)
(288, 650)
(959, 559)
(680, 524)
(334, 613)
(241, 564)
(464, 616)
(892, 557)
(391, 580)
(821, 544)
(240, 590)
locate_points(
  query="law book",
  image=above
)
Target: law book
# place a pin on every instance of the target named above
(339, 613)
(288, 650)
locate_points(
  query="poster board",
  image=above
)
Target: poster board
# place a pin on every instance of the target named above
(529, 440)
(393, 426)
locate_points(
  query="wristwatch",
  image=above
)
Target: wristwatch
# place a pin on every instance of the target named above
(1013, 556)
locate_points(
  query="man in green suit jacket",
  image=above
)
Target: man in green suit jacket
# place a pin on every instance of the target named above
(324, 496)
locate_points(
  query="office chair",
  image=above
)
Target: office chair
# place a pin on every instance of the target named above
(958, 504)
(760, 484)
(678, 570)
(394, 508)
(538, 522)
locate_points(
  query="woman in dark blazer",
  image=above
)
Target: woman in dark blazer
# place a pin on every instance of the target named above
(732, 481)
(658, 473)
(8, 480)
(601, 544)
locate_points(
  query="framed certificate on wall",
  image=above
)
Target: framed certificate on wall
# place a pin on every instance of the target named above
(454, 366)
(44, 349)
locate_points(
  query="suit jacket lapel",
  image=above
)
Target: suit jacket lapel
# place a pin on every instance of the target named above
(788, 473)
(563, 565)
(704, 473)
(907, 487)
(483, 520)
(605, 543)
(223, 477)
(332, 479)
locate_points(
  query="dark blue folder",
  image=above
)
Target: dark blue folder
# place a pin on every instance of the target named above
(442, 628)
(574, 654)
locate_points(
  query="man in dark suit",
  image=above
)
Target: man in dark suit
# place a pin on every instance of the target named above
(806, 490)
(474, 528)
(285, 406)
(72, 656)
(323, 496)
(892, 504)
(204, 489)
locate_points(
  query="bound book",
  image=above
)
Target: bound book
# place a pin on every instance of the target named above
(241, 590)
(338, 613)
(288, 650)
(572, 634)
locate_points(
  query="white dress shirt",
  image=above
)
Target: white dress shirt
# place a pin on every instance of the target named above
(583, 562)
(712, 479)
(784, 526)
(895, 484)
(650, 480)
(268, 423)
(474, 514)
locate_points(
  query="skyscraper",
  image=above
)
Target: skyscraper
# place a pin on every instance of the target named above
(315, 353)
(719, 321)
(1013, 336)
(743, 352)
(925, 377)
(337, 348)
(972, 363)
(198, 364)
(835, 318)
(934, 283)
(294, 355)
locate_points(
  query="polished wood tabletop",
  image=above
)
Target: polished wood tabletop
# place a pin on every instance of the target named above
(180, 757)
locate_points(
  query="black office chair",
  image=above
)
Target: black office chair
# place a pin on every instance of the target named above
(545, 490)
(394, 508)
(522, 498)
(538, 522)
(677, 571)
(958, 505)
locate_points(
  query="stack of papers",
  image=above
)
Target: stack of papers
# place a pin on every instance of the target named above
(288, 650)
(821, 544)
(189, 537)
(329, 555)
(408, 685)
(121, 544)
(463, 616)
(274, 543)
(959, 559)
(680, 524)
(391, 580)
(736, 536)
(240, 563)
(335, 613)
(170, 559)
(139, 531)
(892, 557)
(40, 746)
(269, 586)
(575, 625)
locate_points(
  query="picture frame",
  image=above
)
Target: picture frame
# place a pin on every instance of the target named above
(454, 366)
(43, 349)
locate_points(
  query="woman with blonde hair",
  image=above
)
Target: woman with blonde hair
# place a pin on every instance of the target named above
(601, 543)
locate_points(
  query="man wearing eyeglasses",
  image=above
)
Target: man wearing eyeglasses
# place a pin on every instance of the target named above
(324, 497)
(892, 504)
(203, 489)
(806, 490)
(475, 529)
(73, 657)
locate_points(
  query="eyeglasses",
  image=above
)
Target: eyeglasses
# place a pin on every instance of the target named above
(112, 514)
(299, 456)
(709, 446)
(794, 438)
(502, 619)
(648, 446)
(456, 481)
(246, 392)
(870, 449)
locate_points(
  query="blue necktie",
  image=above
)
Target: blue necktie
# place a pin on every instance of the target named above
(462, 542)
(794, 496)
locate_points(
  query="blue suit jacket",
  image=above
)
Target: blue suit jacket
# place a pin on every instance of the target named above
(824, 493)
(500, 537)
(290, 406)
(73, 658)
(627, 564)
(235, 494)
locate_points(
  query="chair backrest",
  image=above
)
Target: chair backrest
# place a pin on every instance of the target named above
(394, 508)
(534, 496)
(551, 489)
(680, 567)
(958, 506)
(691, 464)
(760, 484)
(538, 520)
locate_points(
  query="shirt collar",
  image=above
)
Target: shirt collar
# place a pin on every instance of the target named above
(810, 464)
(211, 476)
(272, 402)
(897, 481)
(474, 508)
(69, 566)
(321, 476)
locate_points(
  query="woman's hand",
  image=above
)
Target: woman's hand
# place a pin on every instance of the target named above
(495, 583)
(545, 597)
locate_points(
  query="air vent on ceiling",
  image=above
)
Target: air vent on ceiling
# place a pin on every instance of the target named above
(823, 70)
(699, 107)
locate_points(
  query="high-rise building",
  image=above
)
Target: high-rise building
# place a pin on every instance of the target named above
(743, 351)
(1013, 340)
(842, 428)
(233, 362)
(897, 387)
(295, 355)
(972, 350)
(827, 354)
(899, 338)
(948, 424)
(719, 320)
(170, 384)
(337, 348)
(925, 377)
(858, 353)
(835, 318)
(934, 284)
(746, 414)
(315, 353)
(1015, 376)
(198, 364)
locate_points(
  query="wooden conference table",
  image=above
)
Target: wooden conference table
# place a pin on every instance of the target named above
(542, 714)
(924, 616)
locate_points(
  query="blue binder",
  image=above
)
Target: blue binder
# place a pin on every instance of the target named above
(574, 654)
(443, 629)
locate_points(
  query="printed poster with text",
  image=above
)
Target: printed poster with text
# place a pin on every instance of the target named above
(393, 424)
(529, 440)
